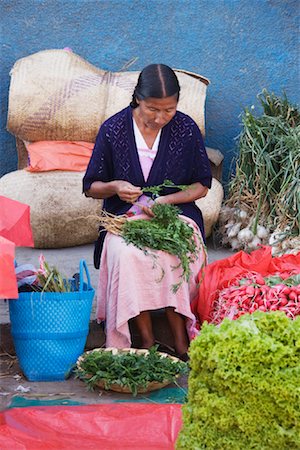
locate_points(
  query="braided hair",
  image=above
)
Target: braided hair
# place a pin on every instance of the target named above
(157, 81)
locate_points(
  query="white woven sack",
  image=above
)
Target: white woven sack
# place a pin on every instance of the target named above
(61, 216)
(57, 95)
(59, 212)
(211, 205)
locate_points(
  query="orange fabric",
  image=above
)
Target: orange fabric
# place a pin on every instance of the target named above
(8, 280)
(107, 426)
(59, 155)
(219, 274)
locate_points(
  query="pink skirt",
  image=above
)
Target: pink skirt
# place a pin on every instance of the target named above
(131, 282)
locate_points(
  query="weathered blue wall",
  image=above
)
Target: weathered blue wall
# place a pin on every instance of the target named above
(242, 46)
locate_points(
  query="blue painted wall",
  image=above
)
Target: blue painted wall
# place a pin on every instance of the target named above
(242, 46)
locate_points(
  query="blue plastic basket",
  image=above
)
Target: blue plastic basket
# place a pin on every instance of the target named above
(50, 329)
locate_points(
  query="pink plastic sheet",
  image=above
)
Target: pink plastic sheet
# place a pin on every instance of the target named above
(15, 222)
(107, 426)
(8, 280)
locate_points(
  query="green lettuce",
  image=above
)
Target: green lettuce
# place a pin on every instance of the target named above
(244, 385)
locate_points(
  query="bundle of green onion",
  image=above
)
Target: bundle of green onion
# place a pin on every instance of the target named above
(265, 189)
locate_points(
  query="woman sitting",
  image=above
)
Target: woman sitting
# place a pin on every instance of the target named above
(143, 145)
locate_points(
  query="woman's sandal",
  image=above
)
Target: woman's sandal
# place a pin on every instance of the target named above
(164, 348)
(184, 357)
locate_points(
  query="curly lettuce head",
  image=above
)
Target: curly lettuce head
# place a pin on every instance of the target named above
(244, 385)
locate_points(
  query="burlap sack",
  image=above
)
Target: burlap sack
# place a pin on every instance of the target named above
(211, 205)
(61, 216)
(57, 95)
(59, 212)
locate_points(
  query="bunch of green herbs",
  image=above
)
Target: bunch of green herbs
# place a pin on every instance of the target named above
(243, 386)
(167, 232)
(267, 176)
(131, 370)
(156, 190)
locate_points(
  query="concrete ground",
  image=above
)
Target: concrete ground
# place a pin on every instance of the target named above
(14, 384)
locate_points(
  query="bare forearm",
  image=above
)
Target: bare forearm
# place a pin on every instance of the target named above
(192, 193)
(125, 190)
(99, 189)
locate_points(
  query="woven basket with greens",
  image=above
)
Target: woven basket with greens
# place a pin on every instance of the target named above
(129, 370)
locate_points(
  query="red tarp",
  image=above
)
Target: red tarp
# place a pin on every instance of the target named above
(15, 222)
(15, 229)
(107, 426)
(8, 280)
(219, 274)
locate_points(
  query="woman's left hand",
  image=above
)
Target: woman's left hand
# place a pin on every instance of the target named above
(148, 209)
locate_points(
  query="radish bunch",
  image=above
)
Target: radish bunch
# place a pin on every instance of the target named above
(253, 292)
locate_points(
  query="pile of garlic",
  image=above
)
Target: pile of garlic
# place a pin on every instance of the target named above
(236, 230)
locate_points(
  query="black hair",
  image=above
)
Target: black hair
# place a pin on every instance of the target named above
(157, 81)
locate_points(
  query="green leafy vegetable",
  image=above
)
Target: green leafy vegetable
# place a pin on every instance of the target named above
(156, 190)
(131, 370)
(243, 388)
(167, 232)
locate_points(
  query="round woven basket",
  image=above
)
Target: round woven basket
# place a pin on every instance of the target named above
(152, 386)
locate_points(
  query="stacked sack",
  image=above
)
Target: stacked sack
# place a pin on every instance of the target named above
(67, 99)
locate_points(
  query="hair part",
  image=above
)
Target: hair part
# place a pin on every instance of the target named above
(157, 81)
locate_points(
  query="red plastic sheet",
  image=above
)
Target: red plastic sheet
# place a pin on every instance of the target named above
(107, 426)
(219, 274)
(8, 280)
(15, 222)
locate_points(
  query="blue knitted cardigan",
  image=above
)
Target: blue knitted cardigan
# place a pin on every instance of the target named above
(181, 157)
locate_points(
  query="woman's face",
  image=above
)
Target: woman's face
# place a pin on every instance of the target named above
(155, 113)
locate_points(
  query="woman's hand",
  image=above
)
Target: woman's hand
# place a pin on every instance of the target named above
(148, 209)
(192, 193)
(127, 191)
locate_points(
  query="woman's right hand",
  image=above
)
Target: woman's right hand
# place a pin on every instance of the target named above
(127, 191)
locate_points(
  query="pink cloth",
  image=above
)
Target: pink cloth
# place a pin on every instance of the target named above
(143, 200)
(129, 284)
(146, 157)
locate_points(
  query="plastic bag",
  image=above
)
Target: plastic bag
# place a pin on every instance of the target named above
(219, 274)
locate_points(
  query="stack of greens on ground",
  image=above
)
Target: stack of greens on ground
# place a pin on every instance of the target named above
(243, 387)
(263, 203)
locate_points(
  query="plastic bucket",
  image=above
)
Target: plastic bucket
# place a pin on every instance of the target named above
(50, 329)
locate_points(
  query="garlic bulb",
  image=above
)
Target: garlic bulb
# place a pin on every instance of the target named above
(233, 231)
(242, 214)
(262, 232)
(275, 238)
(254, 243)
(235, 244)
(245, 235)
